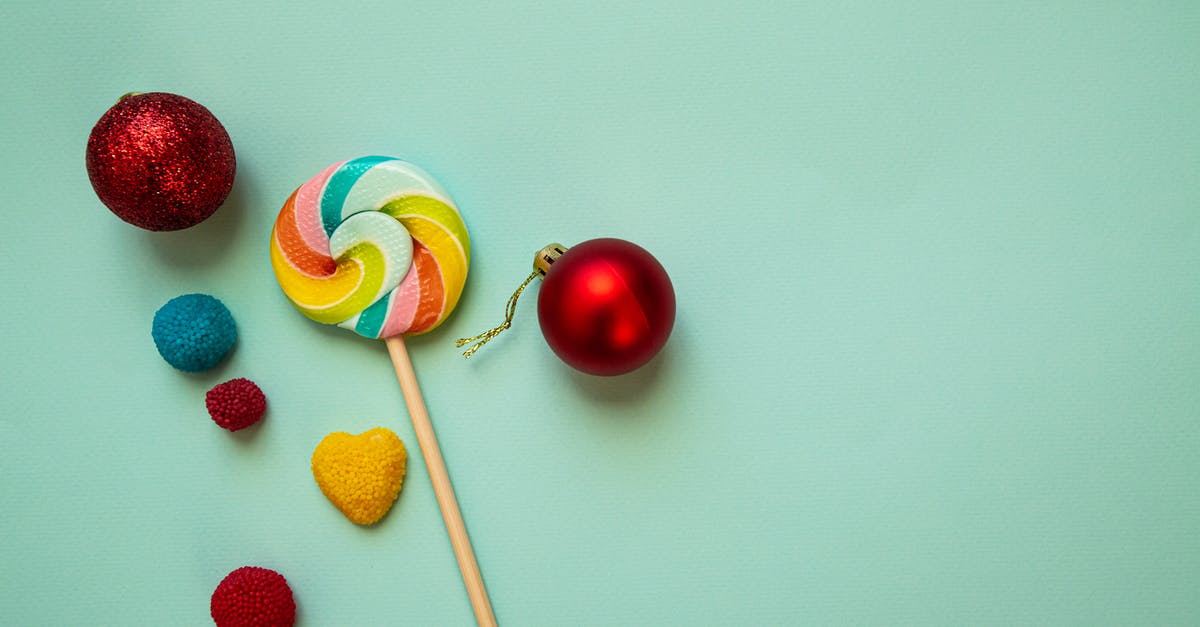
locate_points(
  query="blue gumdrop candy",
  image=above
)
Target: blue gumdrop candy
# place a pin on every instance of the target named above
(193, 332)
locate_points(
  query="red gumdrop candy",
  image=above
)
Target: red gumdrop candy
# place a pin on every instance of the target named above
(253, 596)
(236, 404)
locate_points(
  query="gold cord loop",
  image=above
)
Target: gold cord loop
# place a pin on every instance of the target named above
(541, 265)
(509, 311)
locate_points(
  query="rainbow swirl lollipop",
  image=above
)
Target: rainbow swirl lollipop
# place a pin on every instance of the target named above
(374, 245)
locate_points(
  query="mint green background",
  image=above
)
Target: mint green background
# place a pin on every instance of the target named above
(936, 359)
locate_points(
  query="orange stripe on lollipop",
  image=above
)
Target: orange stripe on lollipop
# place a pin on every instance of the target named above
(429, 277)
(293, 247)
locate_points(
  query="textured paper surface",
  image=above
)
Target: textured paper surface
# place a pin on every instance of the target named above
(936, 360)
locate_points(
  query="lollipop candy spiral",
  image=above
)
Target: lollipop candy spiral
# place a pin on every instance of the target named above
(374, 245)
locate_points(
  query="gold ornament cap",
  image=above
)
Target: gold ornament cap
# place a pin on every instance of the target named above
(547, 256)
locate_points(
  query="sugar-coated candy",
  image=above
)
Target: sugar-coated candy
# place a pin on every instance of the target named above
(235, 404)
(360, 474)
(253, 597)
(193, 332)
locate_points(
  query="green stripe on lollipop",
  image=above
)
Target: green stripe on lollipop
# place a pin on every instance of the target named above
(339, 186)
(370, 321)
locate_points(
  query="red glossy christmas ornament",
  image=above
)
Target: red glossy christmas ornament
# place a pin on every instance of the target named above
(606, 307)
(160, 161)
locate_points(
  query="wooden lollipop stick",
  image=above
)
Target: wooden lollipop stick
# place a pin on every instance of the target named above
(441, 483)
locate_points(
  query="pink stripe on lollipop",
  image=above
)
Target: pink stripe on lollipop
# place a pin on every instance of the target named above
(405, 299)
(308, 210)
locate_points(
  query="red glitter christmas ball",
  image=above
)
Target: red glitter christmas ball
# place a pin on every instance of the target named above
(235, 404)
(606, 306)
(160, 161)
(253, 597)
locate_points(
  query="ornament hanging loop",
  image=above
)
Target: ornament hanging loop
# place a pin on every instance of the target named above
(509, 311)
(541, 265)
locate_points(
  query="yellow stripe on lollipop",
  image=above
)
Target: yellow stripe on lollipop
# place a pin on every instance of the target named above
(334, 298)
(435, 211)
(451, 264)
(439, 227)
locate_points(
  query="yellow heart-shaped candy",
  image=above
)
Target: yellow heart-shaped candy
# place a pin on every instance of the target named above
(360, 474)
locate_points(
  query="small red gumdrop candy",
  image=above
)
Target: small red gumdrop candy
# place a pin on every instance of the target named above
(253, 597)
(235, 404)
